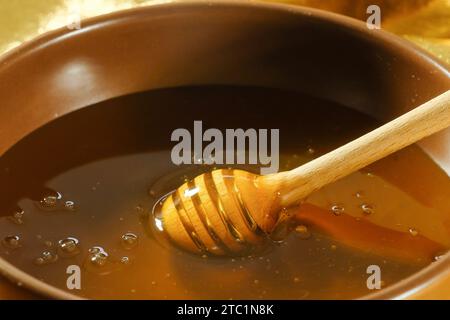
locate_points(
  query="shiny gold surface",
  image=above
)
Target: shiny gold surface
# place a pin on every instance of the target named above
(424, 22)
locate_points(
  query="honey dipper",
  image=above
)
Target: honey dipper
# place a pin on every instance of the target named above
(226, 211)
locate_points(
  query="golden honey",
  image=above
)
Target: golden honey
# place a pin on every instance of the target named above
(81, 191)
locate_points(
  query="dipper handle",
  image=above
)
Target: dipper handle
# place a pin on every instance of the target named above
(425, 120)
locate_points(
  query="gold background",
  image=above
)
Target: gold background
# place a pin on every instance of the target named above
(424, 22)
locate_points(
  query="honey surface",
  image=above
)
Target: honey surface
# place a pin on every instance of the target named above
(80, 191)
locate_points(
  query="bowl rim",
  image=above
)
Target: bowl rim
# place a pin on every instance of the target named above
(403, 289)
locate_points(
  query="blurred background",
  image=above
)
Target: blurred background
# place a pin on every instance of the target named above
(424, 22)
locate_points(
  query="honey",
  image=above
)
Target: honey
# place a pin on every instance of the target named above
(82, 190)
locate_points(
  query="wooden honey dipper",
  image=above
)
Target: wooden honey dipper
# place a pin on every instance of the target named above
(227, 211)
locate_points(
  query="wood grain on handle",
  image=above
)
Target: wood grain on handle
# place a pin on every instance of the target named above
(429, 118)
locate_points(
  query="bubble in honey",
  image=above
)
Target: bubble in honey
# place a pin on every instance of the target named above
(11, 242)
(54, 202)
(367, 209)
(70, 205)
(129, 240)
(47, 257)
(359, 194)
(98, 257)
(413, 232)
(311, 151)
(99, 261)
(50, 201)
(296, 279)
(17, 217)
(303, 232)
(125, 260)
(68, 247)
(337, 210)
